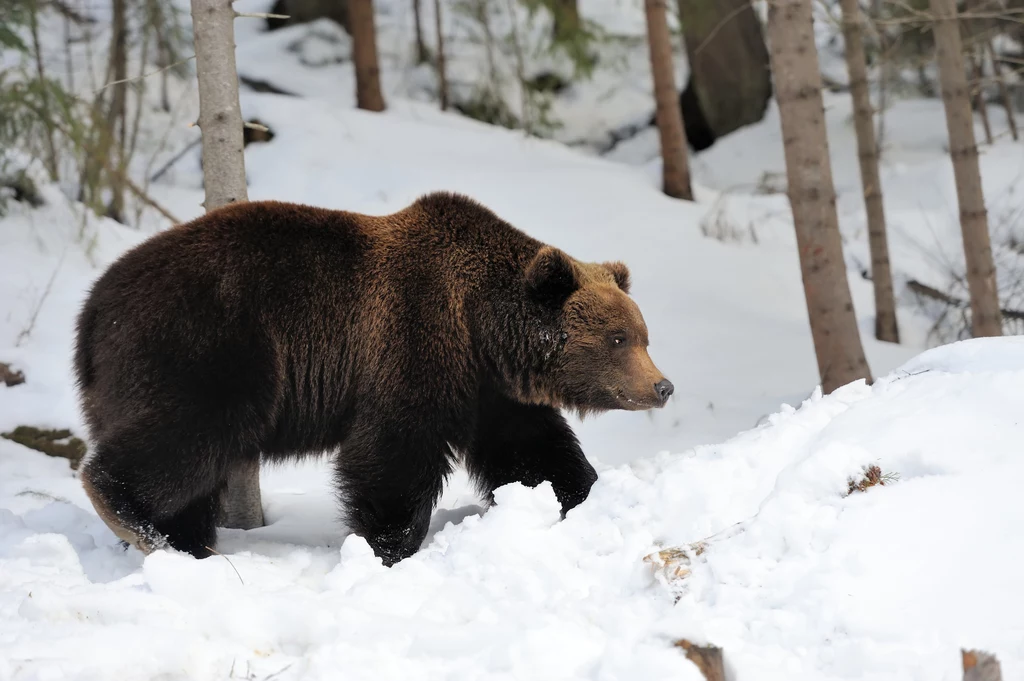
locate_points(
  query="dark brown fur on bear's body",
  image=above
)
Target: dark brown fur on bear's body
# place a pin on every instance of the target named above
(401, 342)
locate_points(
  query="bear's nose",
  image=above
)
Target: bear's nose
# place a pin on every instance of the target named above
(664, 388)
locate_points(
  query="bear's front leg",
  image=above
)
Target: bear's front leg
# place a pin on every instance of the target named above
(528, 443)
(389, 482)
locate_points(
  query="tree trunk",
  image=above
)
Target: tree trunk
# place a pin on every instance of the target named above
(566, 16)
(117, 114)
(220, 121)
(364, 55)
(886, 328)
(421, 46)
(812, 196)
(442, 69)
(675, 165)
(986, 317)
(51, 148)
(730, 74)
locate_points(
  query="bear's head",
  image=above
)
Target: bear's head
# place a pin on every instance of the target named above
(599, 359)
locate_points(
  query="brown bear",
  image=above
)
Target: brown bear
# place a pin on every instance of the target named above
(402, 344)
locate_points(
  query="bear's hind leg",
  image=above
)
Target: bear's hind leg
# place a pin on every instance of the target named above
(389, 484)
(193, 529)
(157, 490)
(530, 444)
(119, 510)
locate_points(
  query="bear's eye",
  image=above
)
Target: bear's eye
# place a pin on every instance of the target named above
(619, 339)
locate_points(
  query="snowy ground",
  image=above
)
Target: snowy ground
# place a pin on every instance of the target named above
(883, 585)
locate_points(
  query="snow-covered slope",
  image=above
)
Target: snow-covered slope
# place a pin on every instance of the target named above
(818, 585)
(885, 584)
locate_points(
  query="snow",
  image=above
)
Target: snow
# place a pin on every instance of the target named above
(800, 581)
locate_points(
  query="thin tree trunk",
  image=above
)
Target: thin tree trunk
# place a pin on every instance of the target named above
(220, 120)
(1004, 93)
(51, 149)
(442, 68)
(117, 114)
(812, 196)
(364, 55)
(978, 67)
(675, 164)
(421, 46)
(886, 328)
(884, 71)
(986, 317)
(566, 15)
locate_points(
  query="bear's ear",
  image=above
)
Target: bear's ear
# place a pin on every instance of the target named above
(551, 275)
(621, 274)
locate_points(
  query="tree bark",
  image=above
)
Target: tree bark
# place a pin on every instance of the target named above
(675, 165)
(52, 166)
(421, 45)
(986, 317)
(442, 68)
(886, 328)
(117, 114)
(812, 196)
(566, 16)
(220, 121)
(730, 79)
(364, 55)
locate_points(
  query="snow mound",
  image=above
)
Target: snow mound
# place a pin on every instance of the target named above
(810, 583)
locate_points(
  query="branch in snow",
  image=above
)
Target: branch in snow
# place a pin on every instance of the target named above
(262, 15)
(981, 666)
(707, 658)
(9, 376)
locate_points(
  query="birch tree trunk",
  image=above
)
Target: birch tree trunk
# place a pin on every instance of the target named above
(675, 164)
(364, 55)
(220, 120)
(812, 196)
(986, 317)
(886, 328)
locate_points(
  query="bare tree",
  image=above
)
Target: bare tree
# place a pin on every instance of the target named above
(220, 120)
(886, 328)
(442, 69)
(812, 196)
(421, 46)
(117, 113)
(364, 55)
(986, 317)
(37, 49)
(675, 164)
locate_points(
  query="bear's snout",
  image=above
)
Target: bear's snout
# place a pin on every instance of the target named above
(664, 389)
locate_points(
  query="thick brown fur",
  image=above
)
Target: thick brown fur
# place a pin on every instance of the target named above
(400, 343)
